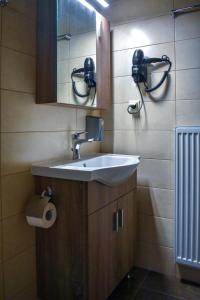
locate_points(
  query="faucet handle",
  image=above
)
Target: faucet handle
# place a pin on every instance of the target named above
(77, 134)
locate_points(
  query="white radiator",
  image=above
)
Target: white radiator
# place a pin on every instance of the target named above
(188, 196)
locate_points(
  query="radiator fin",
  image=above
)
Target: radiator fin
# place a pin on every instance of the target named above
(188, 196)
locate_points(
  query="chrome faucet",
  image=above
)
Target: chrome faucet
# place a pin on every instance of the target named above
(76, 143)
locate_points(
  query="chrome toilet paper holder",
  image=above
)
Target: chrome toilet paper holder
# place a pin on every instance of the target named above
(47, 192)
(40, 211)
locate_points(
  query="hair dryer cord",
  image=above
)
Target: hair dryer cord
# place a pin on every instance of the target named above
(163, 59)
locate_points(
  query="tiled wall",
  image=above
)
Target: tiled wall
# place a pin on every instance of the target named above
(151, 135)
(29, 133)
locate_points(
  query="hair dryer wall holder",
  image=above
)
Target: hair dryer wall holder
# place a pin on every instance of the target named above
(87, 72)
(134, 107)
(140, 74)
(139, 69)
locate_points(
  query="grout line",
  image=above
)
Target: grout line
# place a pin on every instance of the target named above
(28, 287)
(31, 19)
(163, 293)
(20, 92)
(147, 276)
(188, 39)
(19, 52)
(147, 243)
(147, 102)
(189, 100)
(25, 250)
(17, 173)
(138, 130)
(28, 249)
(39, 131)
(159, 159)
(141, 285)
(14, 215)
(146, 129)
(154, 216)
(154, 244)
(139, 19)
(186, 69)
(130, 76)
(156, 188)
(144, 46)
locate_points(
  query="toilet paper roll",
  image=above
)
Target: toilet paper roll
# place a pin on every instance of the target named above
(40, 212)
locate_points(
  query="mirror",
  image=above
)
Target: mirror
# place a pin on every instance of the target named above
(76, 53)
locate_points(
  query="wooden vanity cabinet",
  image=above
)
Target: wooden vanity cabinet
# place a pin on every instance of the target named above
(91, 246)
(111, 251)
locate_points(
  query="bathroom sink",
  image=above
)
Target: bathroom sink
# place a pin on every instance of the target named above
(109, 169)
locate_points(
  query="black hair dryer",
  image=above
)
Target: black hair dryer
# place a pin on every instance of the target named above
(89, 75)
(139, 69)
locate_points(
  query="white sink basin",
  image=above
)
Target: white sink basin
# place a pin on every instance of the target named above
(109, 169)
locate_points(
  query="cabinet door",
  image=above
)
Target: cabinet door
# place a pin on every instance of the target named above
(126, 234)
(102, 259)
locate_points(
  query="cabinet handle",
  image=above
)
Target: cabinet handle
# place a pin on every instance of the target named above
(116, 221)
(121, 217)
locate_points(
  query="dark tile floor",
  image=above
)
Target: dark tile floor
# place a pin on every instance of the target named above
(146, 285)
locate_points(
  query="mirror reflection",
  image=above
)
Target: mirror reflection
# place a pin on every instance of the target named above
(76, 53)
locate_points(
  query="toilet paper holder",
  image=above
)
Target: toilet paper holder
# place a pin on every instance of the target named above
(40, 211)
(48, 192)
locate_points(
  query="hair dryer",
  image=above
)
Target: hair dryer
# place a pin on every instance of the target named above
(139, 74)
(89, 75)
(139, 69)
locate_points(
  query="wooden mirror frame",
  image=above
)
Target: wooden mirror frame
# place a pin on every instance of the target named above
(47, 57)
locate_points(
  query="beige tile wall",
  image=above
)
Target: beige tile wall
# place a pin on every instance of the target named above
(133, 9)
(152, 134)
(29, 133)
